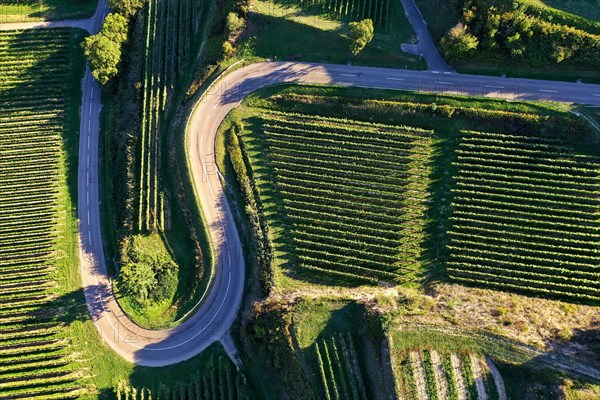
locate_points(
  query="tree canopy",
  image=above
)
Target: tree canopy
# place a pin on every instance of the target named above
(361, 34)
(103, 50)
(126, 7)
(139, 279)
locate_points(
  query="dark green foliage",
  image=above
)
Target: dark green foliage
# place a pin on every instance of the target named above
(126, 7)
(260, 230)
(524, 34)
(268, 330)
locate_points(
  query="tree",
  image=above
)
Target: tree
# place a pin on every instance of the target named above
(138, 279)
(126, 7)
(361, 34)
(458, 42)
(103, 55)
(103, 50)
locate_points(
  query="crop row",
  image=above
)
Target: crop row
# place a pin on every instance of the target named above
(338, 368)
(34, 90)
(540, 234)
(217, 380)
(170, 25)
(353, 194)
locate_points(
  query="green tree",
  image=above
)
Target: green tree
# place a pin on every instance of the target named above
(103, 50)
(458, 42)
(138, 279)
(103, 56)
(126, 7)
(115, 28)
(361, 33)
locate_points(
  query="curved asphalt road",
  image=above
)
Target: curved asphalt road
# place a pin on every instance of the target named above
(212, 320)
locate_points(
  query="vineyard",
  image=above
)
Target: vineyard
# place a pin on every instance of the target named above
(525, 216)
(351, 195)
(40, 10)
(381, 12)
(339, 369)
(433, 375)
(39, 73)
(170, 29)
(219, 380)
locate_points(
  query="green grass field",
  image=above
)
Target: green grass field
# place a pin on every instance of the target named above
(37, 10)
(317, 31)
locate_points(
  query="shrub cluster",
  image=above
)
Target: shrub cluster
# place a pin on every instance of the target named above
(525, 34)
(259, 227)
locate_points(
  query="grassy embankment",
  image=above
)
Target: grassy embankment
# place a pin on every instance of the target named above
(39, 10)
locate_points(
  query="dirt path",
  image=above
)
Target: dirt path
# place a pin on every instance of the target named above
(440, 377)
(419, 374)
(458, 378)
(497, 378)
(477, 376)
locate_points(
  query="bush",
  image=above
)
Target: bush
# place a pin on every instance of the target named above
(361, 33)
(523, 33)
(167, 281)
(138, 280)
(228, 50)
(459, 42)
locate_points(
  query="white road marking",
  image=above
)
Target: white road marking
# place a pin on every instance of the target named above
(448, 73)
(90, 236)
(89, 125)
(548, 91)
(88, 213)
(445, 83)
(597, 95)
(394, 79)
(435, 72)
(92, 94)
(87, 198)
(352, 75)
(494, 87)
(90, 109)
